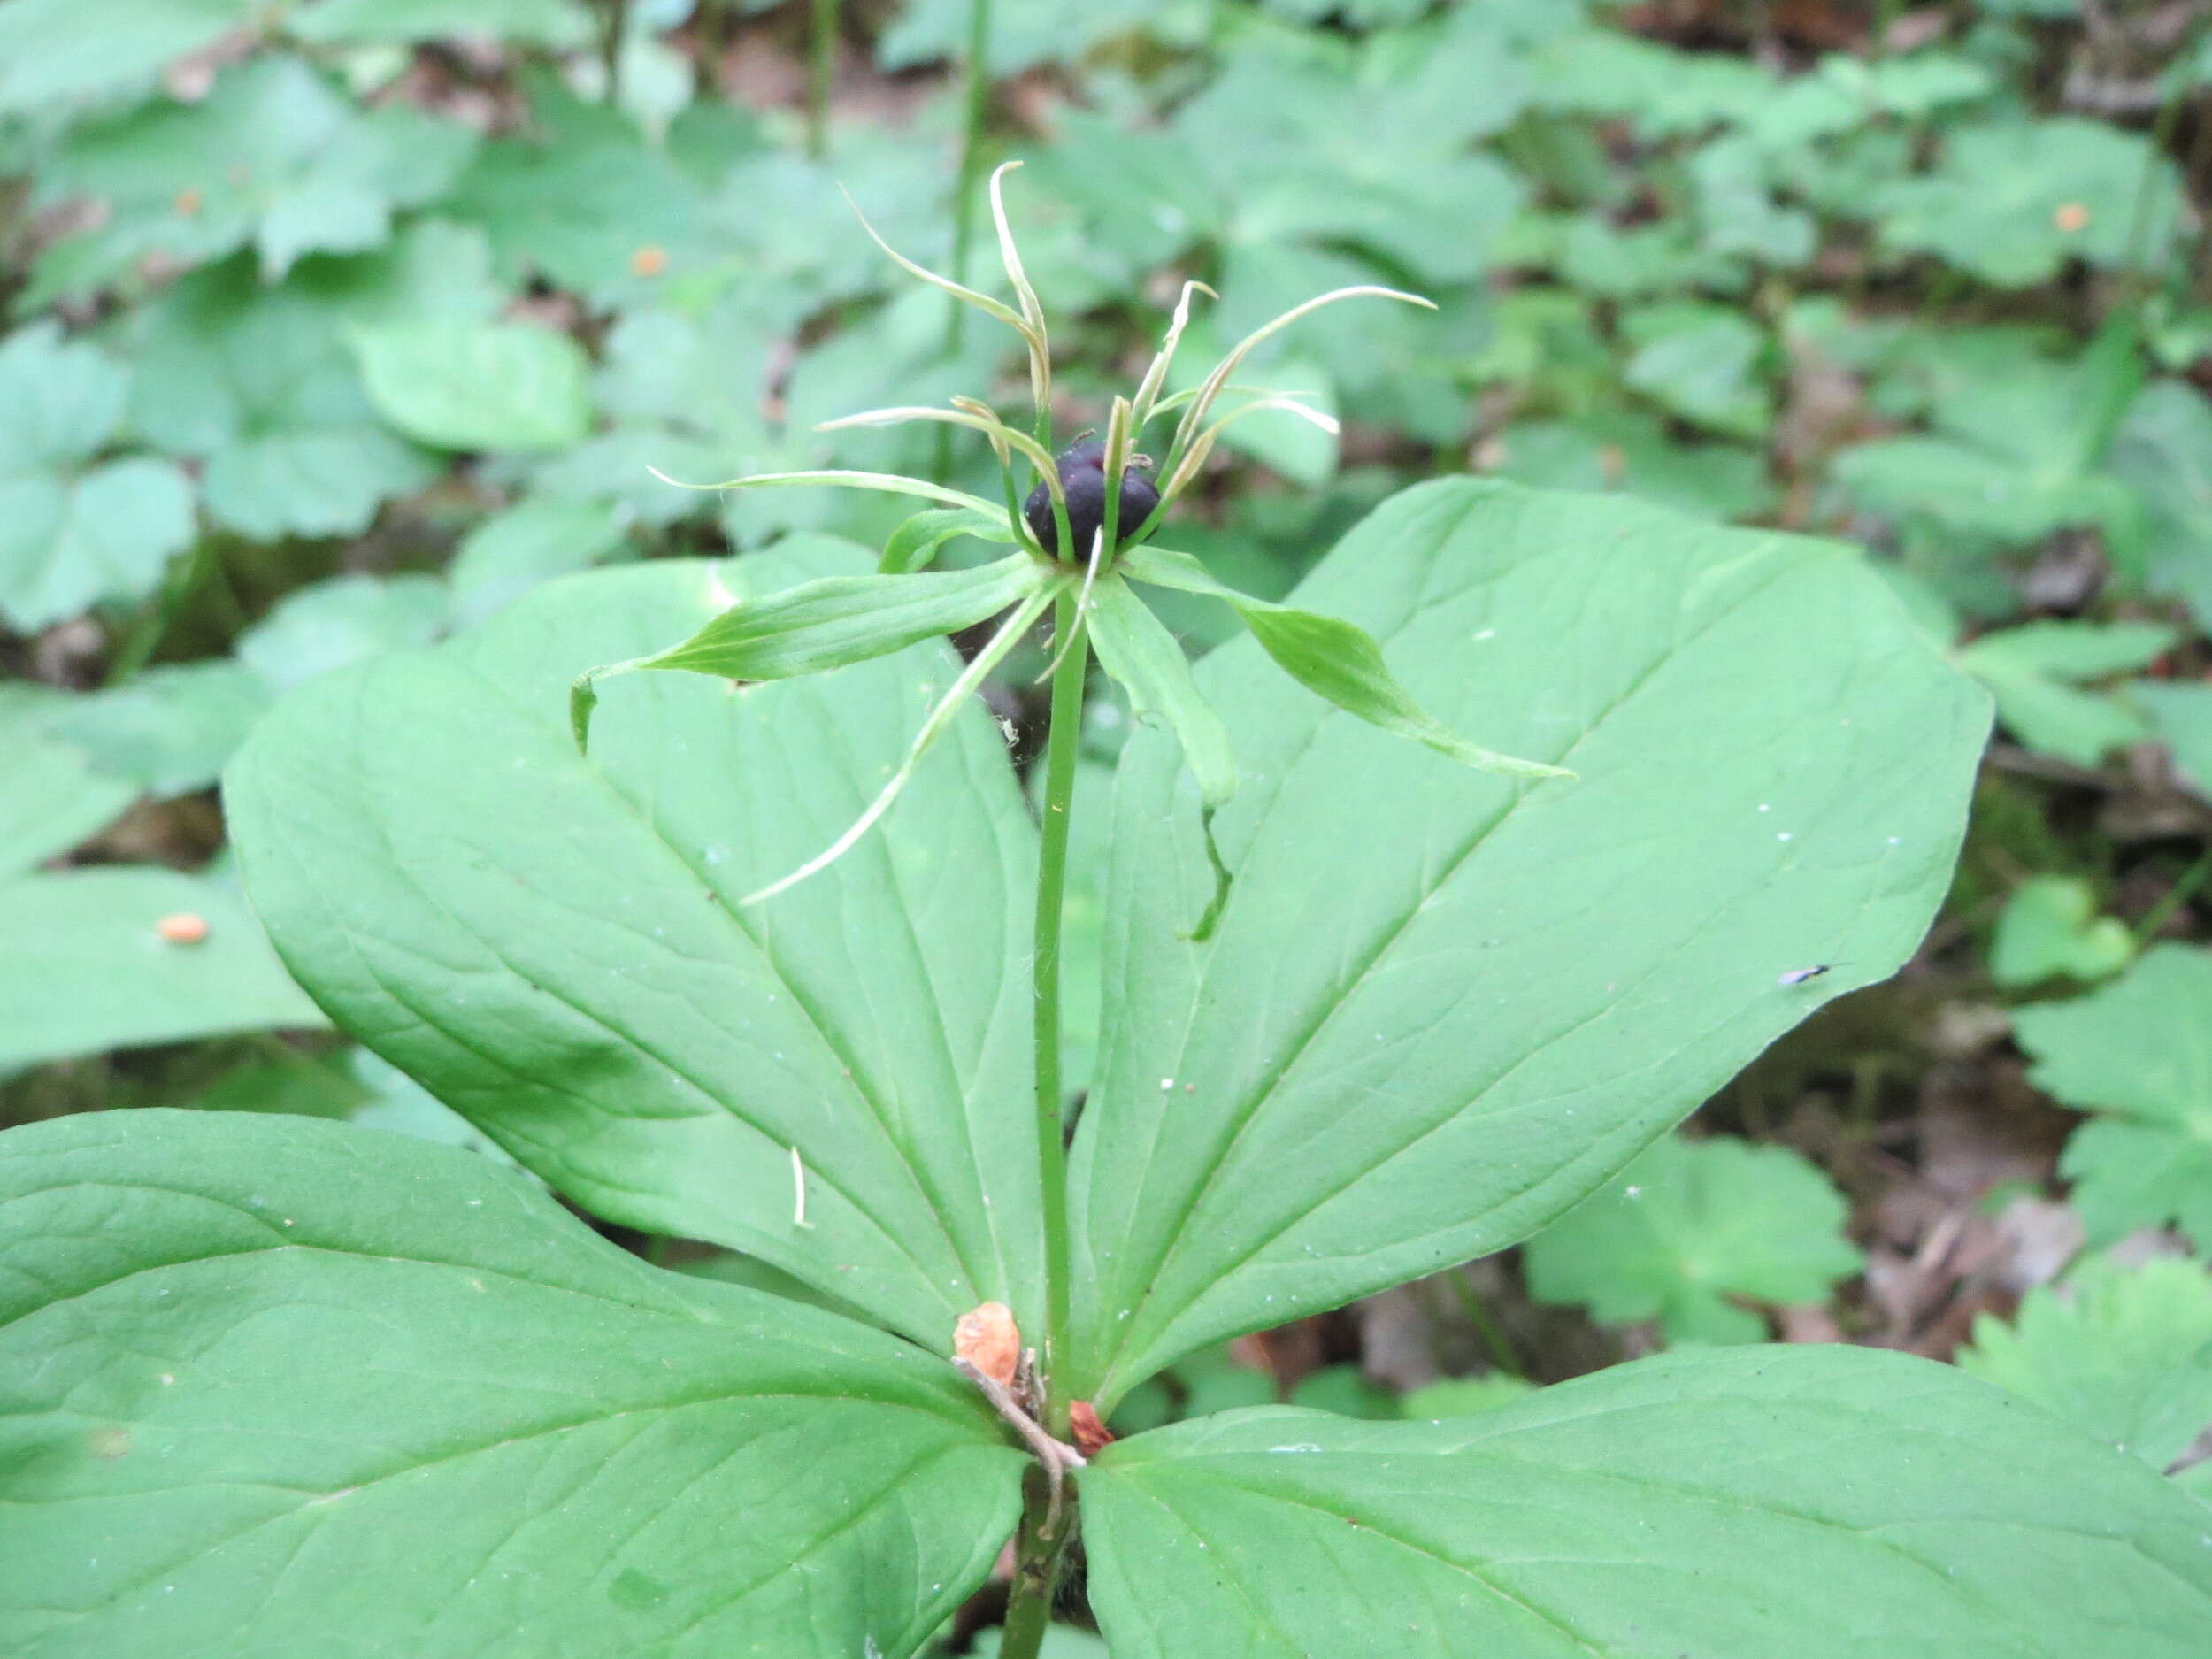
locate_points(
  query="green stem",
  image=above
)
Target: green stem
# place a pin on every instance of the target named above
(2178, 895)
(822, 57)
(153, 623)
(610, 48)
(1494, 1340)
(1039, 1548)
(1060, 747)
(973, 95)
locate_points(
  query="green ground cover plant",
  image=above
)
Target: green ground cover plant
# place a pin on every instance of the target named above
(712, 941)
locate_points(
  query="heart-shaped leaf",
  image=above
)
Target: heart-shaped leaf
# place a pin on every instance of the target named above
(1822, 1502)
(1441, 1005)
(272, 1383)
(835, 1081)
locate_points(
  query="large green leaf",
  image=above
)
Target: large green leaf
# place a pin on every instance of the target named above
(1441, 1006)
(85, 966)
(552, 944)
(1820, 1502)
(276, 1387)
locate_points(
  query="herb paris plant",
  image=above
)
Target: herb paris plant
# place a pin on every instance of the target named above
(274, 1385)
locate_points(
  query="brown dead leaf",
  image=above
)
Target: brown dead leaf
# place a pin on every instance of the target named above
(987, 1338)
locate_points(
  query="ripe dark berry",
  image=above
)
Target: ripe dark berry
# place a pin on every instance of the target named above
(1082, 468)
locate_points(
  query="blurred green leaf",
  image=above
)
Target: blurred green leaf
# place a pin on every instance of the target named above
(1463, 1396)
(1688, 1231)
(2181, 718)
(258, 385)
(496, 386)
(2034, 671)
(328, 624)
(1345, 1392)
(512, 552)
(2013, 202)
(82, 968)
(48, 57)
(57, 795)
(170, 729)
(2135, 1053)
(1704, 363)
(273, 155)
(2050, 930)
(76, 529)
(2163, 452)
(2123, 1353)
(556, 23)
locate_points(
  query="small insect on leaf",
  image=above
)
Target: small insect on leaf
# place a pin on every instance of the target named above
(1797, 976)
(183, 928)
(987, 1337)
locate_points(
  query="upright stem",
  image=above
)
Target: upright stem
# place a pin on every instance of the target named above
(1060, 747)
(822, 57)
(1039, 1547)
(964, 202)
(610, 48)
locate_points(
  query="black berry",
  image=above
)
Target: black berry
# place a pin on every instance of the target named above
(1082, 468)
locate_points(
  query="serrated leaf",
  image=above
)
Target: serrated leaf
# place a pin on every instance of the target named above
(257, 384)
(1733, 1504)
(477, 385)
(2050, 929)
(2122, 1353)
(83, 967)
(76, 530)
(1135, 648)
(273, 1379)
(2135, 1052)
(1489, 998)
(554, 947)
(274, 157)
(1690, 1230)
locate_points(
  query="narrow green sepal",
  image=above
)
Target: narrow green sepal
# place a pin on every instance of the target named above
(837, 620)
(1332, 659)
(915, 541)
(1135, 649)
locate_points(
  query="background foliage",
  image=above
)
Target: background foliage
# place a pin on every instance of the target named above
(334, 325)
